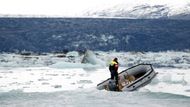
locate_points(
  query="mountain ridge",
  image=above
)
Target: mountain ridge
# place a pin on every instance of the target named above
(128, 9)
(144, 10)
(62, 34)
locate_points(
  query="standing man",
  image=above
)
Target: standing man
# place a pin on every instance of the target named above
(113, 67)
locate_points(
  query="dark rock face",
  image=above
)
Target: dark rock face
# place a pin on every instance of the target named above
(65, 34)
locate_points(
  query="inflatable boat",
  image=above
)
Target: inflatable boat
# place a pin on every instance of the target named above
(141, 75)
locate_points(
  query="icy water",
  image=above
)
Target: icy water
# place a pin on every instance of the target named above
(93, 98)
(44, 87)
(50, 81)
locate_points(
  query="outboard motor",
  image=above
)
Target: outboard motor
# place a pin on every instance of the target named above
(112, 85)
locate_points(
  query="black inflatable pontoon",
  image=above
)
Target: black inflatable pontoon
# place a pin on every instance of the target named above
(143, 74)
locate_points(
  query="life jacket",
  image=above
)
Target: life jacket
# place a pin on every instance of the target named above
(113, 65)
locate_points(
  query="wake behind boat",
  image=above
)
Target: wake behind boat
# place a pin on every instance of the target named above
(131, 78)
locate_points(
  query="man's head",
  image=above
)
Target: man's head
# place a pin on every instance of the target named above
(115, 59)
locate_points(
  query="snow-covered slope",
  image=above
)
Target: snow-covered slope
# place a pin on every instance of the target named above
(135, 9)
(143, 9)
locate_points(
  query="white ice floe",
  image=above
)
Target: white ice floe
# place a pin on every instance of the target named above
(45, 79)
(49, 73)
(173, 81)
(170, 59)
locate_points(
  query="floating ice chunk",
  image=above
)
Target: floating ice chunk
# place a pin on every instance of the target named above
(89, 61)
(178, 79)
(91, 58)
(167, 78)
(57, 86)
(73, 65)
(72, 54)
(84, 82)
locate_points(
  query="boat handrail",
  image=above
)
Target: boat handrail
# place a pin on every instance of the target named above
(127, 70)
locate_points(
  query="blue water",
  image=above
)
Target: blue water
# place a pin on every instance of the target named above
(65, 34)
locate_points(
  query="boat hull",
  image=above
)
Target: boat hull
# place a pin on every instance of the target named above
(143, 74)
